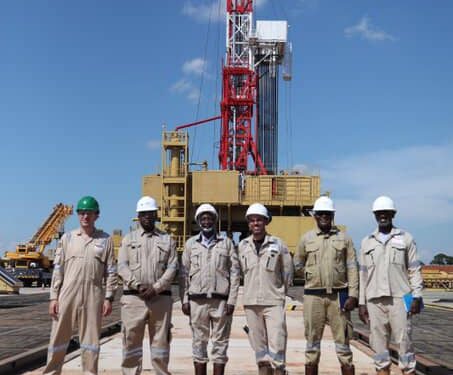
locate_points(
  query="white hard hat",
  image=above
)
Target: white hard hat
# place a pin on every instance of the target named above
(384, 203)
(324, 204)
(257, 209)
(146, 204)
(205, 207)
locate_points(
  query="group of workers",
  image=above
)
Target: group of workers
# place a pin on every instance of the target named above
(210, 269)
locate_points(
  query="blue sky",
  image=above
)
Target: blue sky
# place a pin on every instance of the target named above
(85, 88)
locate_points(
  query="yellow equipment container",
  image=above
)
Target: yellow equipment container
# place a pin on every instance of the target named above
(438, 276)
(179, 191)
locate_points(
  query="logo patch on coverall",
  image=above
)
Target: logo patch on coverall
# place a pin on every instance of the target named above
(273, 250)
(99, 247)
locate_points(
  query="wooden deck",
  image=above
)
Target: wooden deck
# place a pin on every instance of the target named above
(25, 328)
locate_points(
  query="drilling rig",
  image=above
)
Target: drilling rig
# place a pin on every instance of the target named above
(248, 151)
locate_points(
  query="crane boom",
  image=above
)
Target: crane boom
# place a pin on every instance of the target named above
(52, 227)
(32, 251)
(28, 263)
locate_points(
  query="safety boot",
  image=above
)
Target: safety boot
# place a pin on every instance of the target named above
(383, 371)
(347, 370)
(280, 371)
(311, 369)
(200, 368)
(265, 369)
(219, 369)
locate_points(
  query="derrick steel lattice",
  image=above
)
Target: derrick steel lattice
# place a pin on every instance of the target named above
(237, 143)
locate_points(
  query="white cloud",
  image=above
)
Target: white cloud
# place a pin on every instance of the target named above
(193, 95)
(154, 144)
(418, 178)
(181, 86)
(210, 10)
(205, 11)
(187, 88)
(366, 30)
(195, 66)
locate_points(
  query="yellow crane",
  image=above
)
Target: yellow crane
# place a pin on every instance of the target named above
(28, 263)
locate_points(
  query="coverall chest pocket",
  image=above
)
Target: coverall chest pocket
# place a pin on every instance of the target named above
(271, 258)
(248, 260)
(312, 275)
(398, 253)
(97, 267)
(313, 254)
(339, 256)
(134, 256)
(222, 259)
(74, 258)
(195, 260)
(73, 261)
(164, 253)
(195, 272)
(370, 255)
(97, 260)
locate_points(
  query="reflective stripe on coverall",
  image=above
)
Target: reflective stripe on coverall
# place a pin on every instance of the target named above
(81, 266)
(146, 259)
(388, 271)
(210, 280)
(329, 264)
(267, 276)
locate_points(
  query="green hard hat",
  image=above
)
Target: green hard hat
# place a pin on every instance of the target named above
(88, 204)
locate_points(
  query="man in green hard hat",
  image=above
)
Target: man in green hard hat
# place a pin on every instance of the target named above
(84, 263)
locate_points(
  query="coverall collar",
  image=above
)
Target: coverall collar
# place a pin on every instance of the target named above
(267, 239)
(394, 232)
(96, 231)
(154, 232)
(217, 237)
(334, 230)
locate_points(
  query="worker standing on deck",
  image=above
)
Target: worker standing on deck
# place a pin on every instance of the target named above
(328, 259)
(84, 259)
(268, 271)
(210, 277)
(147, 264)
(390, 288)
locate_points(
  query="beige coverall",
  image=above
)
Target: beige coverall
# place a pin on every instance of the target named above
(210, 277)
(330, 266)
(267, 276)
(146, 259)
(81, 266)
(388, 271)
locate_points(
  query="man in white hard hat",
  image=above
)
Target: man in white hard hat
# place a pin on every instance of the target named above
(268, 272)
(147, 264)
(84, 281)
(327, 258)
(210, 277)
(390, 288)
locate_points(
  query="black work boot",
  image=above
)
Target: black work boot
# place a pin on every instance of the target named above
(265, 369)
(347, 370)
(280, 371)
(311, 369)
(200, 368)
(219, 369)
